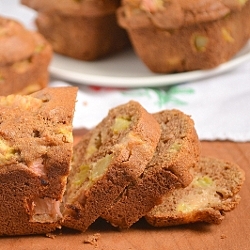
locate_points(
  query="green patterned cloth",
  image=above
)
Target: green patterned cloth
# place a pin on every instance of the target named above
(220, 105)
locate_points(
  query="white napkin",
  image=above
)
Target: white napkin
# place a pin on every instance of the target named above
(219, 106)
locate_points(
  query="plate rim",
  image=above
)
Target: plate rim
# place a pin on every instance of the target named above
(147, 81)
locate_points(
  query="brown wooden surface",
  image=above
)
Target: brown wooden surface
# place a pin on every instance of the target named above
(232, 234)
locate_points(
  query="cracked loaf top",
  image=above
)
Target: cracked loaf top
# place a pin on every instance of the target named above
(174, 14)
(18, 43)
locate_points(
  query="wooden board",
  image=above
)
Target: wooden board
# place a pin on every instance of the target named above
(232, 234)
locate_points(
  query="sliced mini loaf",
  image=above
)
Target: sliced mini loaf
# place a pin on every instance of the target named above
(108, 158)
(177, 150)
(36, 145)
(213, 191)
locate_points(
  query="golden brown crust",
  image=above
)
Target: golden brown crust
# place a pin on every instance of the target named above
(191, 45)
(213, 192)
(67, 24)
(106, 160)
(176, 14)
(25, 57)
(35, 152)
(177, 150)
(15, 43)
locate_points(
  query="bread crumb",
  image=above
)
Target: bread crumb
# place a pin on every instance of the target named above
(51, 235)
(223, 236)
(92, 239)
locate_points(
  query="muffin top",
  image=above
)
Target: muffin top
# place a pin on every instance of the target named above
(74, 7)
(16, 43)
(174, 14)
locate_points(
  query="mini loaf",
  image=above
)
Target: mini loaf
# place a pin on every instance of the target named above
(36, 146)
(85, 30)
(108, 158)
(212, 193)
(177, 151)
(24, 59)
(185, 35)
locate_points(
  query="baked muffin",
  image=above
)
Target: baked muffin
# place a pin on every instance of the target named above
(212, 193)
(85, 30)
(36, 145)
(177, 151)
(106, 160)
(24, 59)
(185, 35)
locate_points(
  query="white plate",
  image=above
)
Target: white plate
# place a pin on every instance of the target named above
(126, 70)
(122, 70)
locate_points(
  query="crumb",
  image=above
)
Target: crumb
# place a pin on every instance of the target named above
(51, 236)
(92, 239)
(223, 236)
(85, 103)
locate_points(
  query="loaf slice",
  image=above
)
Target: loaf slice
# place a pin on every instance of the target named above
(36, 145)
(106, 160)
(212, 193)
(178, 150)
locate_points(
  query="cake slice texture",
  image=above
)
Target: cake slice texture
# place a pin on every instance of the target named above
(106, 160)
(36, 145)
(212, 193)
(177, 151)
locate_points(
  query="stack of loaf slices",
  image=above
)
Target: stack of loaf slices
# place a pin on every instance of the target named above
(133, 164)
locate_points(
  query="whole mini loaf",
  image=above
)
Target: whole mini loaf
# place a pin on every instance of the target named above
(24, 59)
(177, 35)
(85, 30)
